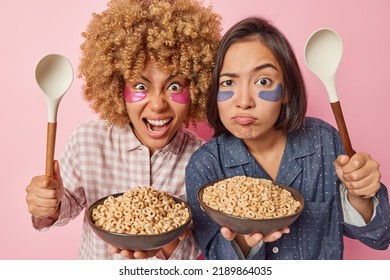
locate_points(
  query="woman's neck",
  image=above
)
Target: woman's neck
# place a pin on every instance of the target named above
(268, 151)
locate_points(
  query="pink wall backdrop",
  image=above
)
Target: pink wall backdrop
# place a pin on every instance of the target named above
(35, 28)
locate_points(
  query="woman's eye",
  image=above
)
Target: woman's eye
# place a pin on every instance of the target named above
(175, 87)
(264, 82)
(227, 83)
(140, 87)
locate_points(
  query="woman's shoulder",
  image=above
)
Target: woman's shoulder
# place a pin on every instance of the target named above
(96, 124)
(316, 130)
(92, 130)
(213, 147)
(186, 142)
(313, 123)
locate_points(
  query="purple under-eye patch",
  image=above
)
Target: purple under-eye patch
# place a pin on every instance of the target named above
(272, 95)
(131, 97)
(224, 95)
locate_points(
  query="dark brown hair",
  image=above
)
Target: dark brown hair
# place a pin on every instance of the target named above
(293, 112)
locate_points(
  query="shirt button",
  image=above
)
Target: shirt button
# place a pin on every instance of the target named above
(275, 250)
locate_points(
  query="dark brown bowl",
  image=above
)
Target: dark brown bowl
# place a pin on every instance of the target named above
(136, 242)
(249, 226)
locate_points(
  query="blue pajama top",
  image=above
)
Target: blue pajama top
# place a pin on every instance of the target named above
(306, 165)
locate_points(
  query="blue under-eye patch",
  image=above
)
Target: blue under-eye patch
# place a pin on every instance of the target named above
(272, 95)
(224, 95)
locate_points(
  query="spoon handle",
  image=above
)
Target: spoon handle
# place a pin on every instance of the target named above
(50, 146)
(342, 127)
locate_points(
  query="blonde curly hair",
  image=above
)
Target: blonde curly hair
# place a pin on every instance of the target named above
(178, 36)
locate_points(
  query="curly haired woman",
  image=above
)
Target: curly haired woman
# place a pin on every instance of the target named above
(147, 66)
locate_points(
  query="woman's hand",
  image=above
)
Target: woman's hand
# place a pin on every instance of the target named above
(254, 239)
(135, 254)
(44, 195)
(247, 241)
(361, 176)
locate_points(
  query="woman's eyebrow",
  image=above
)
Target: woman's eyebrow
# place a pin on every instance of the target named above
(166, 80)
(263, 66)
(257, 68)
(170, 78)
(228, 74)
(144, 78)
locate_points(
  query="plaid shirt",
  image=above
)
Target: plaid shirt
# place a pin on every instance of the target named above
(100, 160)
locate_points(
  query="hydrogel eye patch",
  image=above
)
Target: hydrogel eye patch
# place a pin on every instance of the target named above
(224, 95)
(181, 97)
(268, 95)
(272, 95)
(131, 97)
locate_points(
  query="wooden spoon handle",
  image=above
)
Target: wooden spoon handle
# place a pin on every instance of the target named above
(50, 147)
(338, 114)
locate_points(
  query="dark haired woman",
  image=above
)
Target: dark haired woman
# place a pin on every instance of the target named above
(257, 107)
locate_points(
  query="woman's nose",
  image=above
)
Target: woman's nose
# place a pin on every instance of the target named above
(244, 98)
(158, 101)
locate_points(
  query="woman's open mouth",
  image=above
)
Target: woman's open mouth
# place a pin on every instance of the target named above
(157, 127)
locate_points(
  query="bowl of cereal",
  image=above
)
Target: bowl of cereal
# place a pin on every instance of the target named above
(250, 205)
(140, 219)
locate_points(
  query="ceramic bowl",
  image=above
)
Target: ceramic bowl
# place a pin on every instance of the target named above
(247, 225)
(135, 242)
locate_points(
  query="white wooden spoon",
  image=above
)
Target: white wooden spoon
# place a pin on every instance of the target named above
(323, 53)
(54, 75)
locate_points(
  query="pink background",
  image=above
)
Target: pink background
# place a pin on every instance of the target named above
(36, 28)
